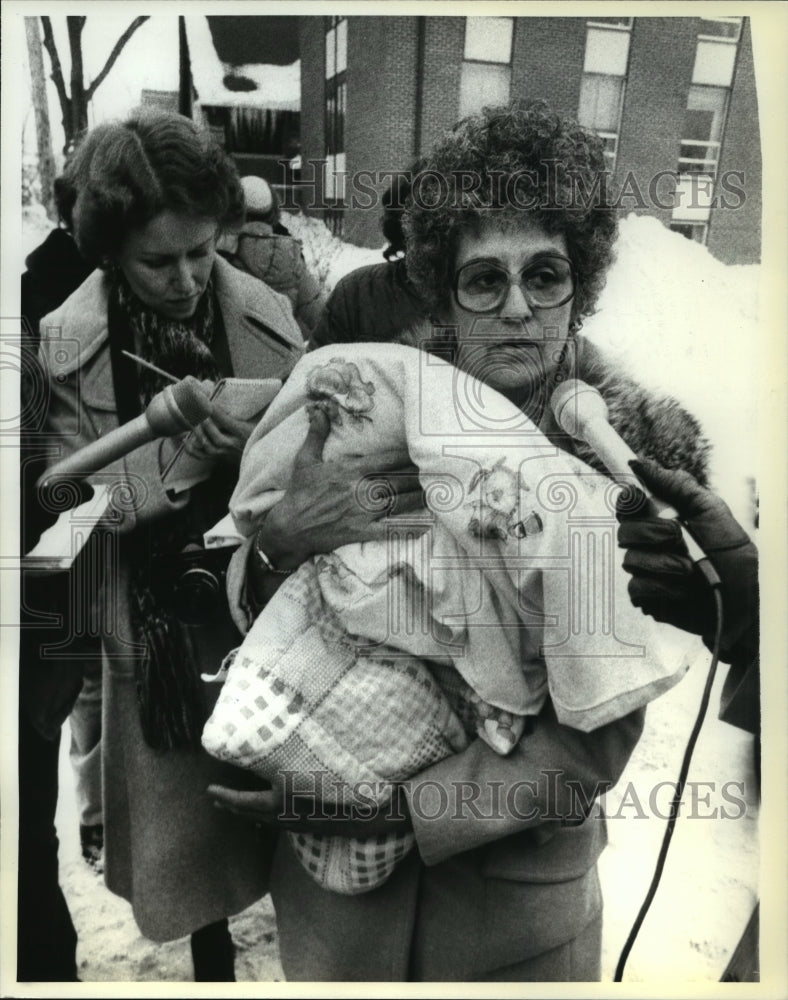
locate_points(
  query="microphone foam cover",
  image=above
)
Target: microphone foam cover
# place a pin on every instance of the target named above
(573, 403)
(192, 402)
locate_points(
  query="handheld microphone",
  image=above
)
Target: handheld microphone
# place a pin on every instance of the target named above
(176, 408)
(582, 413)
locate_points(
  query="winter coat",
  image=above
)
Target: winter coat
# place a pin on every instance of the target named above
(55, 269)
(48, 687)
(278, 260)
(504, 884)
(376, 302)
(180, 862)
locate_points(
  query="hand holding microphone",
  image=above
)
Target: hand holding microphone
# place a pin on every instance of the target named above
(178, 408)
(220, 436)
(666, 583)
(676, 553)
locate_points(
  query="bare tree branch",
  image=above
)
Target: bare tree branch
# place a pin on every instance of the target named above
(114, 55)
(57, 70)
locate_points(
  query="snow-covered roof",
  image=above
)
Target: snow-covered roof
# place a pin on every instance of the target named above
(278, 87)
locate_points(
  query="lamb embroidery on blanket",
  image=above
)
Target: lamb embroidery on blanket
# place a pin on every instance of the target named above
(322, 683)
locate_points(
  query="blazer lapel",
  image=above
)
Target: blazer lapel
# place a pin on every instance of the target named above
(263, 337)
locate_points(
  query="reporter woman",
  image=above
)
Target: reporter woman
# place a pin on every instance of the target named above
(150, 197)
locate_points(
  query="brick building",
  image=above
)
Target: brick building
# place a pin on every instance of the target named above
(673, 98)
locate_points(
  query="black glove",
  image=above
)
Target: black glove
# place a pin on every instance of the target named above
(667, 584)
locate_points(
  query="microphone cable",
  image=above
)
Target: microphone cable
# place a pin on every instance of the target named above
(714, 581)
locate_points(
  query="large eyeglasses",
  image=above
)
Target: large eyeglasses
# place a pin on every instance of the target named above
(483, 285)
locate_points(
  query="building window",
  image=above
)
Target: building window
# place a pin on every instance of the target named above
(604, 80)
(624, 23)
(336, 104)
(696, 231)
(704, 124)
(486, 75)
(702, 135)
(721, 29)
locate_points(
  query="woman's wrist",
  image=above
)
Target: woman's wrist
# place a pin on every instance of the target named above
(272, 550)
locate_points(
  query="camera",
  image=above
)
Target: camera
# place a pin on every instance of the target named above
(192, 584)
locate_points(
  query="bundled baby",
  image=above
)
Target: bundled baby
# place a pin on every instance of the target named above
(377, 660)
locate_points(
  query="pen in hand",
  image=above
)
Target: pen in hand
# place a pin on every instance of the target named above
(153, 368)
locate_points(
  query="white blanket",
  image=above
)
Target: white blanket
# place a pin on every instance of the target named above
(517, 583)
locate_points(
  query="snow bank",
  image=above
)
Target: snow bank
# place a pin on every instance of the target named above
(686, 324)
(327, 257)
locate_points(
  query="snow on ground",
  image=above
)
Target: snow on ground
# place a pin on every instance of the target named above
(678, 319)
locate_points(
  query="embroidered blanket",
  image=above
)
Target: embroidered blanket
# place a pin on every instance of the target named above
(516, 585)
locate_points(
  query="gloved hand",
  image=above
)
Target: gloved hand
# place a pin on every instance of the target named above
(667, 584)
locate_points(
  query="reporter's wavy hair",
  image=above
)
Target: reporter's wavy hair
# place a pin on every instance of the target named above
(522, 159)
(123, 174)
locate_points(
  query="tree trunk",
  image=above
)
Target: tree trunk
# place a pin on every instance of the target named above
(79, 100)
(46, 159)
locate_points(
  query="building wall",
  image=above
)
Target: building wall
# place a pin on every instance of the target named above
(548, 64)
(311, 39)
(394, 112)
(381, 110)
(735, 232)
(444, 42)
(661, 58)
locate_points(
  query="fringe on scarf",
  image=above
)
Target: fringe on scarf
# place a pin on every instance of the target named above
(172, 706)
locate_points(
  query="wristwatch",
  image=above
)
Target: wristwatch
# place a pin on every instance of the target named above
(264, 559)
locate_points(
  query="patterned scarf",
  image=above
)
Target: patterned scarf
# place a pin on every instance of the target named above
(172, 708)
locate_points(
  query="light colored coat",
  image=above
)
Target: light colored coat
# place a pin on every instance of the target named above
(180, 862)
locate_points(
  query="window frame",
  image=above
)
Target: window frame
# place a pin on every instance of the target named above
(493, 62)
(334, 122)
(610, 158)
(707, 142)
(591, 23)
(487, 62)
(725, 39)
(674, 225)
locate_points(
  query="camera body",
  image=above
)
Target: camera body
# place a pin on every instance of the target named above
(193, 585)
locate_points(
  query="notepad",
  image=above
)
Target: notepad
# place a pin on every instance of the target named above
(61, 543)
(223, 534)
(242, 398)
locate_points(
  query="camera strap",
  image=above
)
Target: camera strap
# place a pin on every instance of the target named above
(125, 383)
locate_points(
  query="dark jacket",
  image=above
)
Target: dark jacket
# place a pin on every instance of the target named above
(376, 302)
(49, 684)
(55, 269)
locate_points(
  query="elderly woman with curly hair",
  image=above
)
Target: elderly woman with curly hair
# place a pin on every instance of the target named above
(509, 236)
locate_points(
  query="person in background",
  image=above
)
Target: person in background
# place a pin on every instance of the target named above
(51, 689)
(150, 196)
(377, 302)
(55, 269)
(667, 585)
(265, 249)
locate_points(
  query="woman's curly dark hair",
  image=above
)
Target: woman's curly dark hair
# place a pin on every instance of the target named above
(123, 174)
(506, 161)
